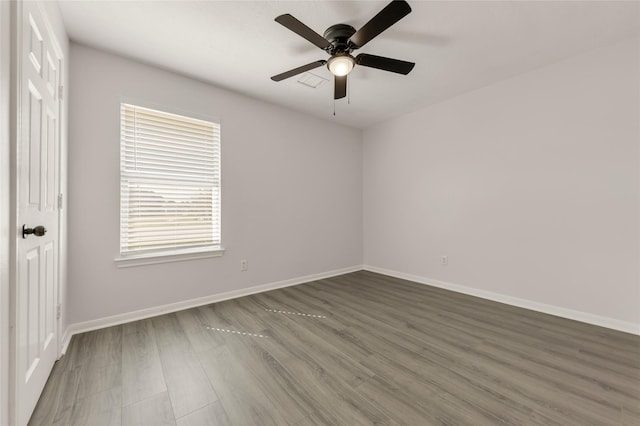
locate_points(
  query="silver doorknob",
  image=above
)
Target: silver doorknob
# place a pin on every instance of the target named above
(38, 231)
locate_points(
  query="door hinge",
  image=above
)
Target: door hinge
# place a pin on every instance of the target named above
(60, 201)
(61, 92)
(58, 311)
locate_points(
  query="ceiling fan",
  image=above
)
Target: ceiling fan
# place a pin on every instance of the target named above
(341, 39)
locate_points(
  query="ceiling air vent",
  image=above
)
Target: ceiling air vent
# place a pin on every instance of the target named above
(312, 80)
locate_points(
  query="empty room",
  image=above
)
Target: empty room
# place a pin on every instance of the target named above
(319, 213)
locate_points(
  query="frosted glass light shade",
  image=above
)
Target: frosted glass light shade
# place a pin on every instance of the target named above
(341, 65)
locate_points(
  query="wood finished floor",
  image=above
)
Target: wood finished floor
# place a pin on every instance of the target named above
(379, 350)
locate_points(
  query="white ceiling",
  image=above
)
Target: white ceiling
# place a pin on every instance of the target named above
(457, 45)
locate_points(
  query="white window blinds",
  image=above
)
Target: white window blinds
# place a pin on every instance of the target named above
(170, 181)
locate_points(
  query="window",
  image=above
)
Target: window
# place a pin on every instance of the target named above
(169, 184)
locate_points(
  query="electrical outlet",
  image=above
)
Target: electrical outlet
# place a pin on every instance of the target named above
(244, 265)
(444, 260)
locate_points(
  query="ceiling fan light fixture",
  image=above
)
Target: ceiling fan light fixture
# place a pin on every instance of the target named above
(340, 40)
(341, 65)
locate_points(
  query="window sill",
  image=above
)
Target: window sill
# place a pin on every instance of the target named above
(167, 256)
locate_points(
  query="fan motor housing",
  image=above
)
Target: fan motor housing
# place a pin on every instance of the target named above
(338, 35)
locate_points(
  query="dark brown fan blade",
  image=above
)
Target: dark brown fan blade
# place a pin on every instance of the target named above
(386, 64)
(395, 11)
(340, 87)
(303, 31)
(298, 70)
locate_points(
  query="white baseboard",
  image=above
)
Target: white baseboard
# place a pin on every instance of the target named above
(627, 327)
(192, 303)
(64, 341)
(585, 317)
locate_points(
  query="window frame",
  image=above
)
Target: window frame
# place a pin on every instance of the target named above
(168, 254)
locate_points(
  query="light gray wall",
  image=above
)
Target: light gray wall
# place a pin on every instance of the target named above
(292, 191)
(529, 186)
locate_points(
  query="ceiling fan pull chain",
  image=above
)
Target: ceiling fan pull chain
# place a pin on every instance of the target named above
(334, 107)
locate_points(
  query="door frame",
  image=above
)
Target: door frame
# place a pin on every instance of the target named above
(12, 61)
(5, 204)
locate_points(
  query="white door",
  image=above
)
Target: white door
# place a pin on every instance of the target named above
(37, 194)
